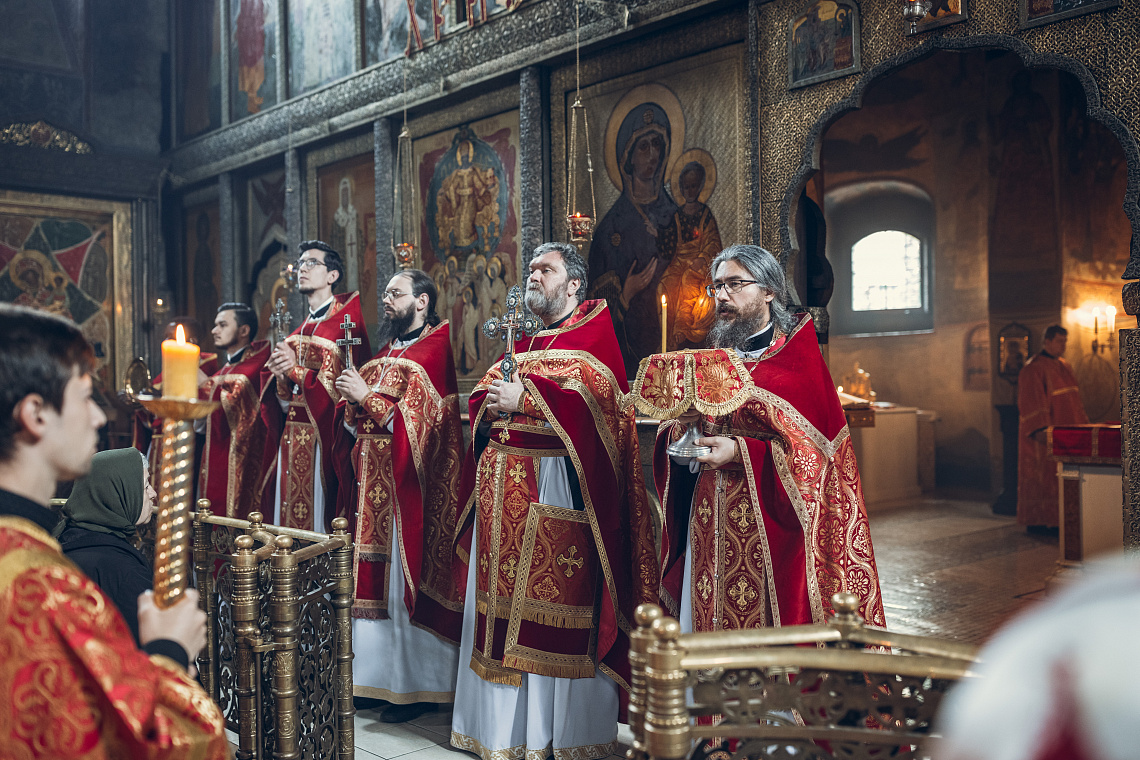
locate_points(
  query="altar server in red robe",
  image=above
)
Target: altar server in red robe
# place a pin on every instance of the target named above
(766, 528)
(403, 408)
(299, 398)
(72, 682)
(1047, 395)
(234, 433)
(564, 537)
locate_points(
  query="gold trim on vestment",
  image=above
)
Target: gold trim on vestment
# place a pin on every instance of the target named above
(373, 692)
(520, 752)
(750, 481)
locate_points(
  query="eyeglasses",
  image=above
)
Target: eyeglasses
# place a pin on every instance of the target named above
(305, 264)
(732, 287)
(392, 295)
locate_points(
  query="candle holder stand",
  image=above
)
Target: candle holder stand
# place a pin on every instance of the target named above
(173, 530)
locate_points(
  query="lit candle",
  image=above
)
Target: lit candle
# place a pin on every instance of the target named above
(1111, 311)
(664, 323)
(179, 367)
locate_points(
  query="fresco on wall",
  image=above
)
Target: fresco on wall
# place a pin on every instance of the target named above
(265, 215)
(823, 42)
(320, 42)
(346, 220)
(199, 66)
(253, 56)
(467, 183)
(387, 33)
(669, 201)
(202, 238)
(1038, 12)
(64, 266)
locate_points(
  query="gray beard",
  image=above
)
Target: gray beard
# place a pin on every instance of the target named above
(545, 308)
(730, 334)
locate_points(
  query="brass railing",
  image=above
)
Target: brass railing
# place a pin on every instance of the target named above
(811, 692)
(278, 657)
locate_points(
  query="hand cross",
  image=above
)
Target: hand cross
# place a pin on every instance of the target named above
(347, 342)
(513, 324)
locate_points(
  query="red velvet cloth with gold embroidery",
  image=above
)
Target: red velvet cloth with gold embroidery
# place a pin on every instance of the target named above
(556, 587)
(307, 425)
(711, 380)
(235, 435)
(776, 533)
(73, 683)
(1085, 444)
(416, 468)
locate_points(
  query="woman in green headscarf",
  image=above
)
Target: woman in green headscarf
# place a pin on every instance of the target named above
(103, 513)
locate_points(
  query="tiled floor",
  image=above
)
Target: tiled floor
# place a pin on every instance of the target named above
(947, 568)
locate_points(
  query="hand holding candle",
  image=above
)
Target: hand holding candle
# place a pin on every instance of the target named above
(180, 367)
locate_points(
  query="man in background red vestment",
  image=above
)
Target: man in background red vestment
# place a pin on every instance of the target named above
(234, 433)
(768, 526)
(72, 682)
(403, 408)
(298, 397)
(564, 536)
(1047, 395)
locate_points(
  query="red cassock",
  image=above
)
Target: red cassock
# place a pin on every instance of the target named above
(776, 533)
(556, 587)
(73, 683)
(235, 435)
(1047, 394)
(306, 426)
(415, 468)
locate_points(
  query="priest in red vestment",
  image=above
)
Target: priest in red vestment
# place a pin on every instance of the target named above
(765, 529)
(299, 398)
(564, 538)
(403, 408)
(72, 682)
(1047, 395)
(234, 433)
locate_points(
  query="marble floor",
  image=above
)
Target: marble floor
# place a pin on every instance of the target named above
(948, 568)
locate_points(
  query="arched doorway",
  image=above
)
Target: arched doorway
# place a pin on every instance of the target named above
(1032, 216)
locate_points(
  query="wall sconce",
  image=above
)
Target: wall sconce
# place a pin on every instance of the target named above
(914, 11)
(1100, 346)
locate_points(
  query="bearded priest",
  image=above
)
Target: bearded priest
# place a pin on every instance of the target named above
(763, 530)
(564, 538)
(402, 407)
(299, 398)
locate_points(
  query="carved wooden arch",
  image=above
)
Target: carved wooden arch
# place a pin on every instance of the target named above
(809, 163)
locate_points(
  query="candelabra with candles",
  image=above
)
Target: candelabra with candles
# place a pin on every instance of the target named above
(1100, 346)
(178, 407)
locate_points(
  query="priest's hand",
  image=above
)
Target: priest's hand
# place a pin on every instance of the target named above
(184, 623)
(723, 451)
(352, 386)
(504, 397)
(281, 360)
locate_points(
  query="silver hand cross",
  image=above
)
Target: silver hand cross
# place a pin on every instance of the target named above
(280, 322)
(514, 323)
(346, 343)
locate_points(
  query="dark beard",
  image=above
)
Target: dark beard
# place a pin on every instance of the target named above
(730, 334)
(400, 323)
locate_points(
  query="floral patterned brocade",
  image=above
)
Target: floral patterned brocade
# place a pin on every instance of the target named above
(73, 683)
(713, 381)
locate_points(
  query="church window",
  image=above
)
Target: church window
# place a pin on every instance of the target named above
(886, 272)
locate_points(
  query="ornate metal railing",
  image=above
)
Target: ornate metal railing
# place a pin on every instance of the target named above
(278, 656)
(809, 692)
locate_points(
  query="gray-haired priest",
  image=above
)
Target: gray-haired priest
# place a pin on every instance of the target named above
(560, 532)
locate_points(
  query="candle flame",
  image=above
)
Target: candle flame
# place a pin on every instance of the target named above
(1111, 311)
(662, 300)
(179, 335)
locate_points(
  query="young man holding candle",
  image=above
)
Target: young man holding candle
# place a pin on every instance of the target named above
(234, 433)
(403, 409)
(560, 532)
(72, 682)
(299, 398)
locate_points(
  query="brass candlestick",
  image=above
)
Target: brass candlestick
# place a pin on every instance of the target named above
(172, 556)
